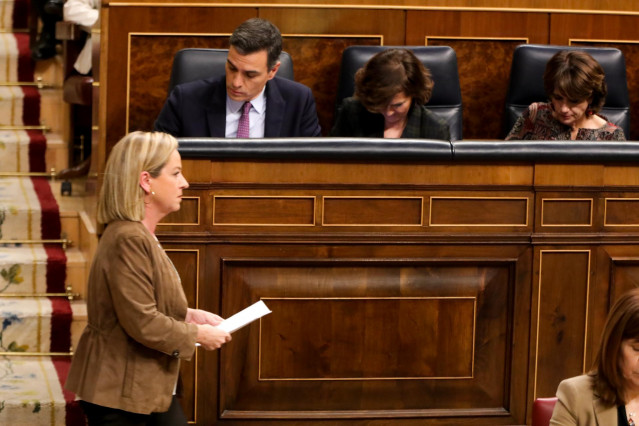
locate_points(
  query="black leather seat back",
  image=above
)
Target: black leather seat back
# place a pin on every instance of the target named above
(527, 82)
(197, 64)
(446, 99)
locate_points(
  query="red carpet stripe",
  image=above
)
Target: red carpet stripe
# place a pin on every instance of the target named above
(61, 317)
(50, 222)
(25, 63)
(56, 268)
(20, 14)
(74, 413)
(37, 151)
(31, 106)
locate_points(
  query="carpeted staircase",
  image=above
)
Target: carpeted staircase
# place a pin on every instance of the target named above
(36, 314)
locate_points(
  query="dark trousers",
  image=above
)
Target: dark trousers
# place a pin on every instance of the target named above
(98, 415)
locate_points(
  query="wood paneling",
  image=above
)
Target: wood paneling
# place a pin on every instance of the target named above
(350, 332)
(316, 39)
(189, 213)
(316, 63)
(484, 43)
(339, 339)
(477, 211)
(367, 298)
(237, 171)
(372, 211)
(625, 276)
(622, 212)
(263, 210)
(328, 284)
(151, 57)
(562, 317)
(483, 88)
(388, 23)
(567, 5)
(187, 262)
(566, 212)
(120, 23)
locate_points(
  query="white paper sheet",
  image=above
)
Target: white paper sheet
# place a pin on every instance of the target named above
(244, 317)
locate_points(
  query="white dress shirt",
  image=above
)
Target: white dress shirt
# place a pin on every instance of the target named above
(85, 13)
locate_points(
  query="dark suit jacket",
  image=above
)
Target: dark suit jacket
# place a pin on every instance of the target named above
(356, 121)
(198, 109)
(579, 405)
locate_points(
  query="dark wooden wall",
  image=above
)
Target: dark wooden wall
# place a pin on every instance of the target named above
(401, 293)
(142, 39)
(449, 294)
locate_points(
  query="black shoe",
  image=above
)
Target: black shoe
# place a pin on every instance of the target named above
(44, 47)
(54, 7)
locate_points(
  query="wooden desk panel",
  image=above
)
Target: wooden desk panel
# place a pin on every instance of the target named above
(409, 322)
(514, 268)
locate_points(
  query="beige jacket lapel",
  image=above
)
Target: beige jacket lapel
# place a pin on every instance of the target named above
(605, 415)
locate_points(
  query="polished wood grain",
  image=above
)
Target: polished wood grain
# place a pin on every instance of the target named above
(236, 171)
(567, 5)
(316, 39)
(119, 26)
(622, 211)
(321, 348)
(542, 275)
(263, 210)
(151, 56)
(484, 53)
(561, 316)
(489, 211)
(372, 211)
(538, 289)
(566, 212)
(186, 261)
(339, 333)
(483, 88)
(189, 213)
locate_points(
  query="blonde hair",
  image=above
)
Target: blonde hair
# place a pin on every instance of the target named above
(121, 197)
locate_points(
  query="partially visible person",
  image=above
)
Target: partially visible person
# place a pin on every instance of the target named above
(575, 84)
(391, 91)
(84, 13)
(49, 12)
(125, 368)
(609, 394)
(250, 101)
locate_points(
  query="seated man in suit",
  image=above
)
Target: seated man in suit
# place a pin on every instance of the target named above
(249, 101)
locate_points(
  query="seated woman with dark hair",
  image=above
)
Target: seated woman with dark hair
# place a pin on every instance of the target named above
(390, 93)
(575, 84)
(609, 394)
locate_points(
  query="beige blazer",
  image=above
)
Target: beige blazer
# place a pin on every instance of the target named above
(578, 405)
(128, 355)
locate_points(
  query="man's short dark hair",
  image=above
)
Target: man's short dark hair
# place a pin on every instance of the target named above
(258, 34)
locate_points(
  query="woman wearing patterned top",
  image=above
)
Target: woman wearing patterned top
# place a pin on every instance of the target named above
(575, 84)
